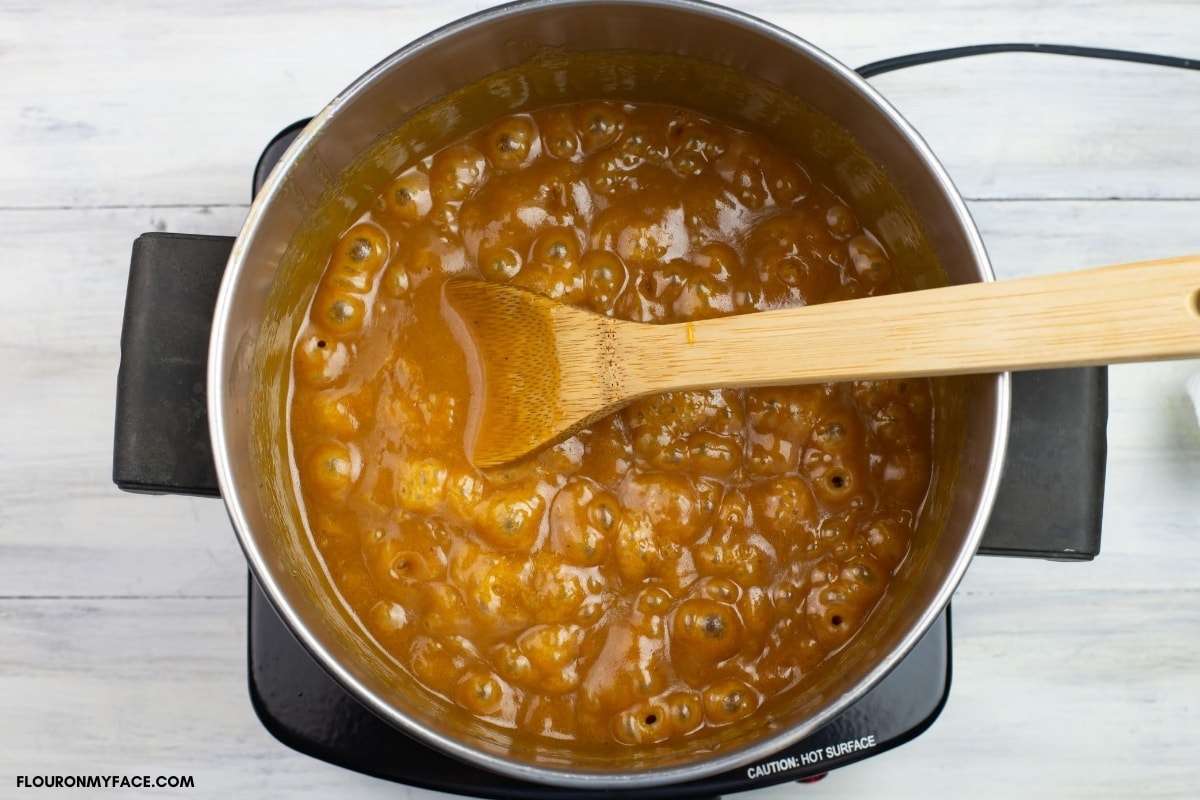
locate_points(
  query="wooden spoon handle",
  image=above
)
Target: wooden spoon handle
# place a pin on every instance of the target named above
(1131, 312)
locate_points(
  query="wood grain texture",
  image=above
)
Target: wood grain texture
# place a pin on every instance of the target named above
(122, 634)
(541, 369)
(1140, 311)
(64, 528)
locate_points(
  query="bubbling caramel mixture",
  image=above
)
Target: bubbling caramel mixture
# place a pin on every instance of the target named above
(673, 567)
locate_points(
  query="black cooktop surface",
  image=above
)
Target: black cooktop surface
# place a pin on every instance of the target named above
(306, 710)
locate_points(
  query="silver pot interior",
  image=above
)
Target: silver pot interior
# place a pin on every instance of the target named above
(526, 56)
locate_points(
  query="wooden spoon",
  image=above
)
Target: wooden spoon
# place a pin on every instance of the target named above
(541, 369)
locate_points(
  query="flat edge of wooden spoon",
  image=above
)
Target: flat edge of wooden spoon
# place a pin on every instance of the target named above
(515, 347)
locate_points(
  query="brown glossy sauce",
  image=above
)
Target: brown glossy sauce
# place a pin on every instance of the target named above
(671, 568)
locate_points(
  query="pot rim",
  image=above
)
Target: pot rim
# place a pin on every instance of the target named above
(224, 355)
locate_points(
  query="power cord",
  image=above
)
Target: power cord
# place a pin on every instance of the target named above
(931, 56)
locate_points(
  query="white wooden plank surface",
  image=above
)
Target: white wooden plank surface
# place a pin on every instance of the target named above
(122, 634)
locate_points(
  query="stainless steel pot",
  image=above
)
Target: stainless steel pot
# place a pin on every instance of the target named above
(536, 53)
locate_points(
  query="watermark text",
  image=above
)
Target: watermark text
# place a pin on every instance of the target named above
(106, 782)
